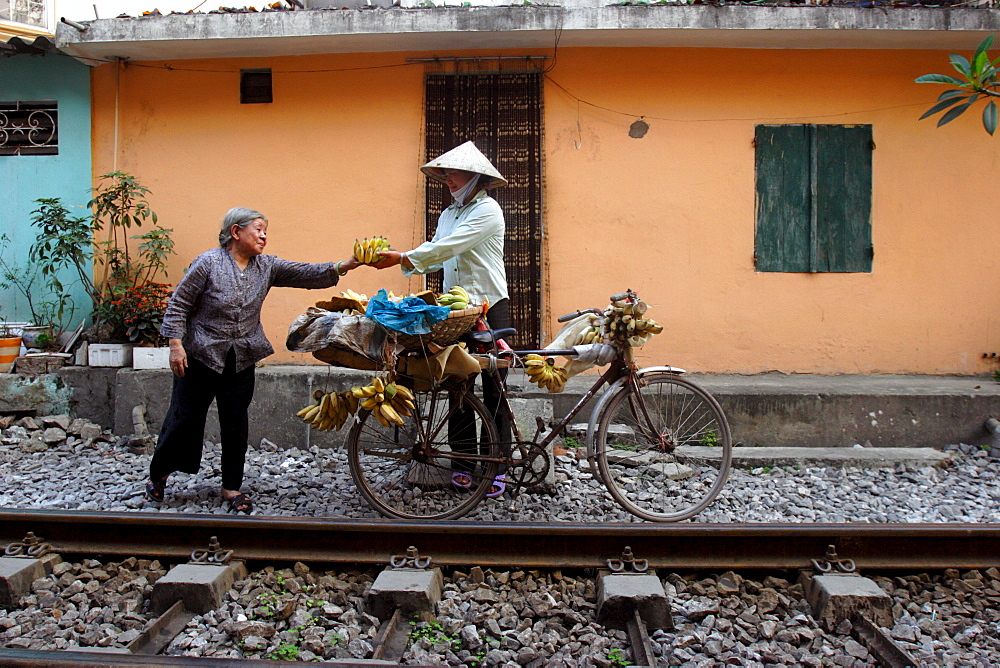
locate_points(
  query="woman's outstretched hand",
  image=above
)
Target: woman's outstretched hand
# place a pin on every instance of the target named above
(348, 264)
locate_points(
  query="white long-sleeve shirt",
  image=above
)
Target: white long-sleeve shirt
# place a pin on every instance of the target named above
(468, 244)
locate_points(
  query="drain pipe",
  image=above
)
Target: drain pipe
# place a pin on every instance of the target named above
(992, 425)
(74, 24)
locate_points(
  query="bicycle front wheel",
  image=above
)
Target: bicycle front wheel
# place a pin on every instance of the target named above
(406, 471)
(664, 453)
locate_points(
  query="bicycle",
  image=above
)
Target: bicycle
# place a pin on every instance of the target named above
(661, 443)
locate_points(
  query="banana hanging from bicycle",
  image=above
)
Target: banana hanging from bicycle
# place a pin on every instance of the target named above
(388, 402)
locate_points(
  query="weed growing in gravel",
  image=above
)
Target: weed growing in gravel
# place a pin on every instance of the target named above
(434, 633)
(617, 659)
(269, 602)
(571, 443)
(286, 651)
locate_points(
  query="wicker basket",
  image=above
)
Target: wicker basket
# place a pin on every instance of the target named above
(443, 333)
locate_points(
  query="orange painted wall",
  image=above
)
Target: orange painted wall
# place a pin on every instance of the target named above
(670, 215)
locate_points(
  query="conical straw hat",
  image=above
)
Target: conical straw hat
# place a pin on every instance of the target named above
(465, 157)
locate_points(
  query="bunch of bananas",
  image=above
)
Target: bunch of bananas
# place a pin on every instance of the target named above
(330, 410)
(625, 326)
(590, 335)
(388, 402)
(543, 372)
(367, 251)
(456, 299)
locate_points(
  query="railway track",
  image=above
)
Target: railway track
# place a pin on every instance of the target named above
(498, 548)
(548, 545)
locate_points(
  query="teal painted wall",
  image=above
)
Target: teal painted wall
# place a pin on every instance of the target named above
(67, 176)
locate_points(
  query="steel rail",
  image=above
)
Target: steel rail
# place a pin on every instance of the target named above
(553, 545)
(27, 658)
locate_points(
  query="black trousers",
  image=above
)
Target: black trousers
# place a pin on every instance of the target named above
(179, 447)
(461, 425)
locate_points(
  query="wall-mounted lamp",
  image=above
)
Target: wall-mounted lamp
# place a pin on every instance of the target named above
(638, 129)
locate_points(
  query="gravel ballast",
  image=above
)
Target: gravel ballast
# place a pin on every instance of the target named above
(77, 467)
(508, 618)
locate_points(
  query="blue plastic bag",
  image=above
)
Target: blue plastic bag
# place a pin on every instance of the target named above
(411, 315)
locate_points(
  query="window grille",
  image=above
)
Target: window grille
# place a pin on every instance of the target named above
(29, 128)
(29, 12)
(502, 113)
(255, 86)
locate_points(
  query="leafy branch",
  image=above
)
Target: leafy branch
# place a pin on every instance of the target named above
(978, 81)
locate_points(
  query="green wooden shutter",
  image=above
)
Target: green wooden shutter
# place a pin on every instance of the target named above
(843, 198)
(813, 198)
(782, 235)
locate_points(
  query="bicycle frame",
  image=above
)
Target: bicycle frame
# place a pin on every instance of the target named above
(618, 372)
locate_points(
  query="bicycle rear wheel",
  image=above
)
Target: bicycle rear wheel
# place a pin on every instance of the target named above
(406, 471)
(665, 453)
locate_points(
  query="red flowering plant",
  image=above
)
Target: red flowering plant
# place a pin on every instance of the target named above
(135, 312)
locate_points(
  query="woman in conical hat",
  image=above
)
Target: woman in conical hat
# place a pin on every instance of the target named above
(468, 245)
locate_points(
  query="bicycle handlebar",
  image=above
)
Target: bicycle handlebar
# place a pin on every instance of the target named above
(577, 314)
(621, 296)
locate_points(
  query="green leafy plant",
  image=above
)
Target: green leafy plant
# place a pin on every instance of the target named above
(572, 443)
(269, 602)
(977, 80)
(616, 658)
(710, 439)
(286, 651)
(109, 264)
(434, 633)
(48, 300)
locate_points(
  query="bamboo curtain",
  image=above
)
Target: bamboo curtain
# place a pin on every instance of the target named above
(502, 113)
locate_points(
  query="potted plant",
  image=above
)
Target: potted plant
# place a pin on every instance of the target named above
(49, 302)
(136, 314)
(117, 271)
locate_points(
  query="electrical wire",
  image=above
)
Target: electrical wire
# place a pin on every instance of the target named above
(580, 101)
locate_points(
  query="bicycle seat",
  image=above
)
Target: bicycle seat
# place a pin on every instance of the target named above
(490, 335)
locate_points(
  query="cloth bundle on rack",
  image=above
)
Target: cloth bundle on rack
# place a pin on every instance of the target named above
(354, 341)
(589, 355)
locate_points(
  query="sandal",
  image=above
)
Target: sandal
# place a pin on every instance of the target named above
(461, 480)
(498, 487)
(155, 490)
(239, 504)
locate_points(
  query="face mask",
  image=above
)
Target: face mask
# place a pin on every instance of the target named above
(463, 192)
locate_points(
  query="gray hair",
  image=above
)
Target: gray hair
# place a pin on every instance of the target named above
(238, 215)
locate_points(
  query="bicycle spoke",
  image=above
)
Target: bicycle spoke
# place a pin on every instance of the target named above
(664, 452)
(407, 471)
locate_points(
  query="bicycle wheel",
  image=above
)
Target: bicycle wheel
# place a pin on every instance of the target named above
(665, 453)
(406, 471)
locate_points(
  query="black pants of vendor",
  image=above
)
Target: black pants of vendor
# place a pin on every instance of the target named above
(462, 426)
(180, 445)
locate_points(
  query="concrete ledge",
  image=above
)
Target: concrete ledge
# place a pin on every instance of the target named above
(770, 410)
(439, 29)
(809, 411)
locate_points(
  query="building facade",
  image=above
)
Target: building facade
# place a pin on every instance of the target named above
(758, 174)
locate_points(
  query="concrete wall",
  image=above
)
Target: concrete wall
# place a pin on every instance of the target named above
(765, 410)
(24, 179)
(671, 215)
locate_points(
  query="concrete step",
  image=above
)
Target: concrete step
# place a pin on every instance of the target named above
(808, 410)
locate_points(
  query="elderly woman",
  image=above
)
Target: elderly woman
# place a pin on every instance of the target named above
(213, 324)
(468, 244)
